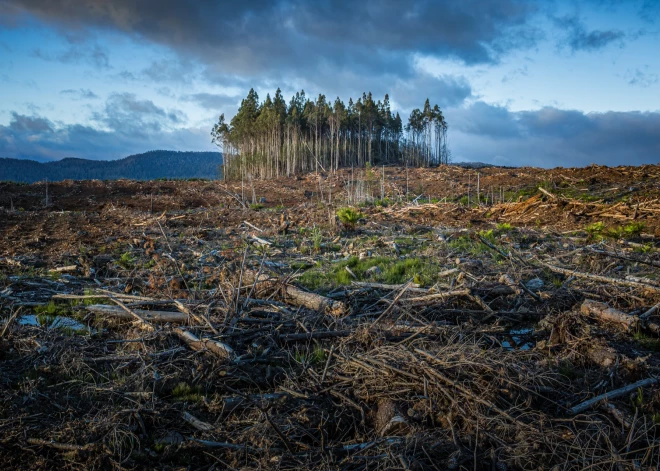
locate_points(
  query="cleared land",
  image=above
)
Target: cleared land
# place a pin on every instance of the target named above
(179, 325)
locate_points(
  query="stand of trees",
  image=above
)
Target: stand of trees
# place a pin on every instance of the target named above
(270, 139)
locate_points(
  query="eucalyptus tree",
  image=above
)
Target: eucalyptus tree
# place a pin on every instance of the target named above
(272, 138)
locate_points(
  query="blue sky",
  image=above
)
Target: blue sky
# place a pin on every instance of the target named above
(546, 83)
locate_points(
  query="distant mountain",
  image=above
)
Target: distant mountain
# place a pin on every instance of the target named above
(147, 166)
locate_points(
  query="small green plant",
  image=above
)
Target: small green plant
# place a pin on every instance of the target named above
(349, 217)
(184, 392)
(317, 239)
(645, 248)
(256, 206)
(633, 229)
(126, 261)
(504, 227)
(314, 358)
(595, 229)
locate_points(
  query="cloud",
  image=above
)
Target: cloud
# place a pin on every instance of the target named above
(126, 114)
(552, 137)
(94, 55)
(170, 71)
(641, 77)
(80, 94)
(580, 39)
(214, 101)
(250, 37)
(35, 137)
(444, 90)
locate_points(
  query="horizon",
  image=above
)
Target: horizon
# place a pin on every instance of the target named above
(521, 83)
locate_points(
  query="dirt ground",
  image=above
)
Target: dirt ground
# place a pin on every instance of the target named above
(462, 320)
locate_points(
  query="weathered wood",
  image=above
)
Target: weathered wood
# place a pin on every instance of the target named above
(602, 279)
(196, 423)
(296, 296)
(612, 394)
(158, 317)
(429, 298)
(603, 313)
(219, 349)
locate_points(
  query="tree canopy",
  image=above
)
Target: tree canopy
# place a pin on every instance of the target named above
(272, 138)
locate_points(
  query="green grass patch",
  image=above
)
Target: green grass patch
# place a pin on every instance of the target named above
(185, 392)
(391, 271)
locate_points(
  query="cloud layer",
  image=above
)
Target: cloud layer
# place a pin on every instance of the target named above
(552, 137)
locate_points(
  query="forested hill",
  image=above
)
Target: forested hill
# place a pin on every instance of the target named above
(147, 166)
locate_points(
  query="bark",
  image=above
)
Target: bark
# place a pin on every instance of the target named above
(296, 296)
(607, 315)
(159, 317)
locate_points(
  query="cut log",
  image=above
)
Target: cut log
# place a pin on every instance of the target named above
(158, 317)
(605, 314)
(295, 296)
(219, 349)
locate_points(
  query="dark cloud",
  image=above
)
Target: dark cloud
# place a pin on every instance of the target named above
(580, 39)
(34, 137)
(80, 94)
(552, 137)
(252, 36)
(214, 101)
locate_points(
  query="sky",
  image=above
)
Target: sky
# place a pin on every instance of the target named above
(543, 83)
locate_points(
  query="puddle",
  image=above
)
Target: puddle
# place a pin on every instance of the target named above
(55, 322)
(519, 339)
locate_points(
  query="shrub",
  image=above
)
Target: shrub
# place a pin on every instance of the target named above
(349, 217)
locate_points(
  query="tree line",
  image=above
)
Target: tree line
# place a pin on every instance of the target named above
(272, 138)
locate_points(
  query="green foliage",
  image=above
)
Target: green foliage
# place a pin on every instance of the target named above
(317, 238)
(314, 358)
(126, 261)
(595, 228)
(349, 217)
(185, 392)
(256, 206)
(504, 227)
(645, 248)
(391, 271)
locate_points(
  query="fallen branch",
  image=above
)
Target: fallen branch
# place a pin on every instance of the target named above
(158, 317)
(612, 394)
(219, 349)
(603, 313)
(602, 279)
(296, 296)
